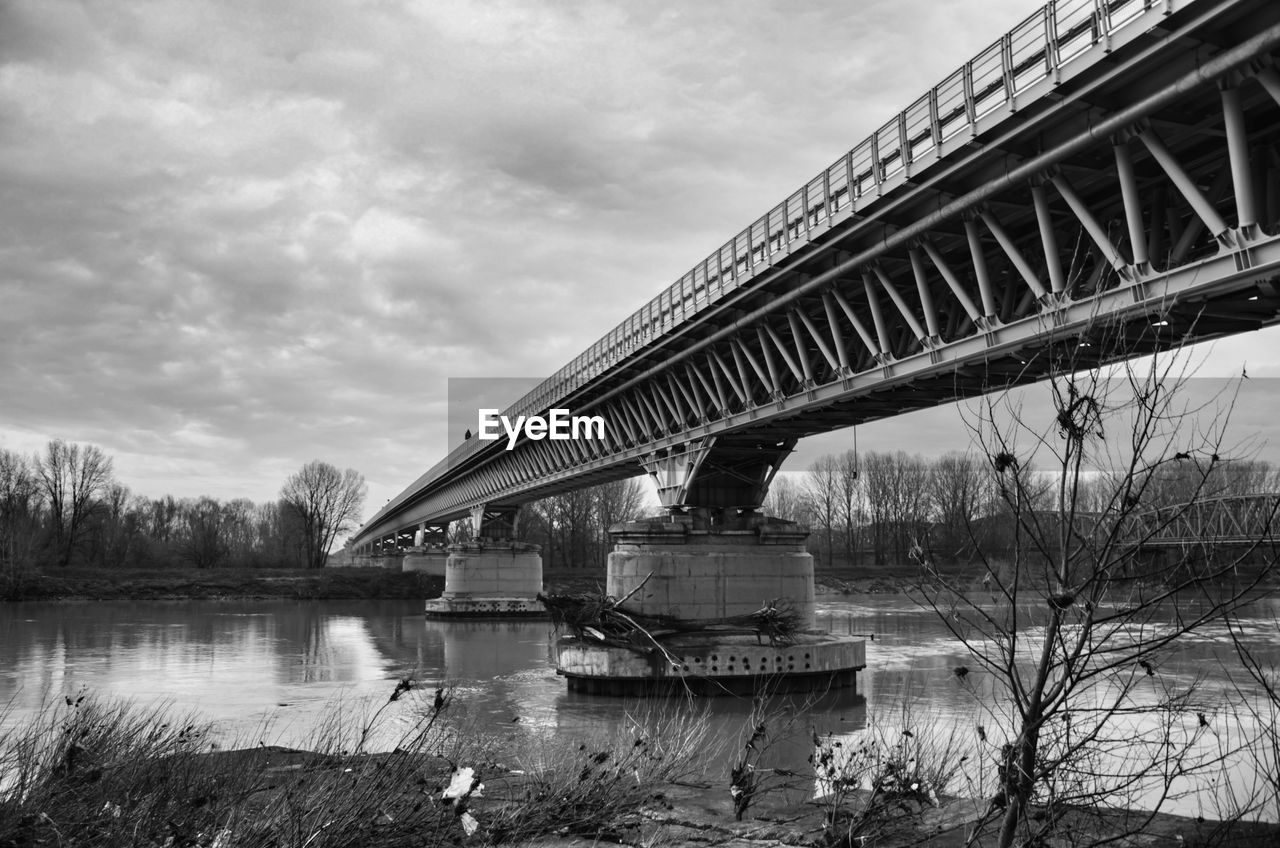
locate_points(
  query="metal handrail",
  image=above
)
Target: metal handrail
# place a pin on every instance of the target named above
(1033, 51)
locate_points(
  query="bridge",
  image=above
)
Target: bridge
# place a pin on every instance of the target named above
(1225, 521)
(1105, 175)
(1210, 522)
(1102, 160)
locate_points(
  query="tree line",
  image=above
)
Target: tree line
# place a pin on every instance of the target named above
(573, 528)
(877, 507)
(63, 506)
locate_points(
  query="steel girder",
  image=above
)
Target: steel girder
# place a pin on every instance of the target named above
(1231, 520)
(1133, 211)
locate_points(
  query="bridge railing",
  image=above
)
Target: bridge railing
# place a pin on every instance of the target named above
(1035, 50)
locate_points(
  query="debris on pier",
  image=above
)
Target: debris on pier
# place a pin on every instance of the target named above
(601, 618)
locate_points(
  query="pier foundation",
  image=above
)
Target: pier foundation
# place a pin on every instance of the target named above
(701, 583)
(490, 578)
(427, 560)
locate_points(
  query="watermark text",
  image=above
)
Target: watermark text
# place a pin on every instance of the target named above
(557, 425)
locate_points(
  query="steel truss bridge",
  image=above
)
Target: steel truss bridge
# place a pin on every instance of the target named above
(1105, 176)
(1229, 520)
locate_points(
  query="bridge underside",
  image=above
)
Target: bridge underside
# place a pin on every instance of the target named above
(1089, 212)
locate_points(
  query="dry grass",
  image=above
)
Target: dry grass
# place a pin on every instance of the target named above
(90, 772)
(593, 788)
(87, 772)
(877, 783)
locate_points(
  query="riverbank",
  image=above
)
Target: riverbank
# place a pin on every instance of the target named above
(383, 584)
(701, 811)
(217, 584)
(573, 799)
(903, 578)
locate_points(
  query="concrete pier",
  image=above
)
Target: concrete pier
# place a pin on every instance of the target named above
(710, 574)
(490, 578)
(704, 579)
(427, 560)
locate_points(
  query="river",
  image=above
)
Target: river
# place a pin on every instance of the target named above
(269, 670)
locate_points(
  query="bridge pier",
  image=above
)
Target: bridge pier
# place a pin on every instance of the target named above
(428, 553)
(494, 576)
(390, 560)
(712, 577)
(427, 560)
(704, 583)
(684, 569)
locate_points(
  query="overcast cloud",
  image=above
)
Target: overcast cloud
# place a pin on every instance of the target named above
(239, 235)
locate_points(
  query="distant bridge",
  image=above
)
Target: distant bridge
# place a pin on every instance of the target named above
(1107, 171)
(1229, 520)
(1212, 522)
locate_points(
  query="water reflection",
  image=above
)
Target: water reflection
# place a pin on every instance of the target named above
(239, 663)
(230, 660)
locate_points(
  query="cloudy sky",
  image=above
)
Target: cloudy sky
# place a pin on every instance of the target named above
(240, 235)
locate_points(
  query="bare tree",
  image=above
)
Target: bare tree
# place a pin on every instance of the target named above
(850, 501)
(326, 502)
(1176, 484)
(239, 530)
(1070, 637)
(162, 519)
(822, 491)
(276, 530)
(573, 527)
(622, 500)
(786, 500)
(959, 494)
(204, 541)
(117, 527)
(20, 518)
(1260, 710)
(461, 532)
(73, 477)
(896, 501)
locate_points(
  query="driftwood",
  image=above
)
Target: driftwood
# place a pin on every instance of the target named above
(600, 618)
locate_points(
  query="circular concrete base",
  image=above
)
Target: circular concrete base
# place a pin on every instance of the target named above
(485, 608)
(709, 663)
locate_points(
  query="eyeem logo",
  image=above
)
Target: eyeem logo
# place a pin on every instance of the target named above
(559, 425)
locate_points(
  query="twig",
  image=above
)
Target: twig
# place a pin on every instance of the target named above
(638, 587)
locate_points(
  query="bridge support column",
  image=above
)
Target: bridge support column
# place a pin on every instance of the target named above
(390, 560)
(728, 593)
(384, 553)
(493, 576)
(673, 569)
(427, 560)
(429, 551)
